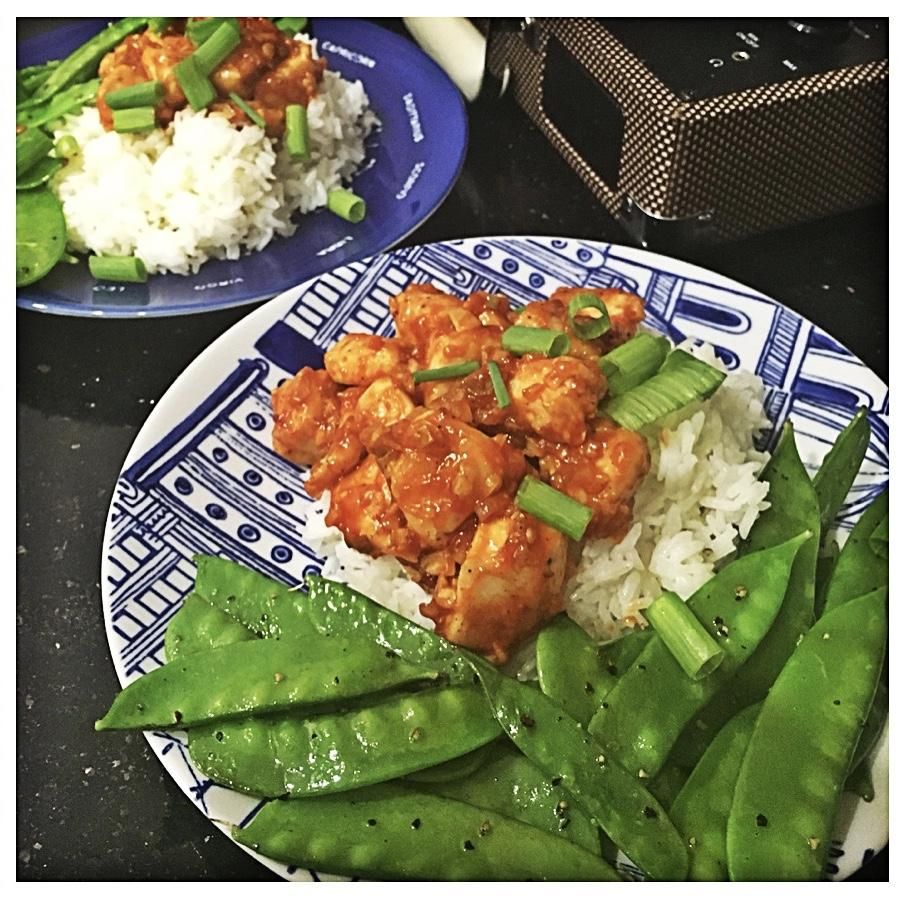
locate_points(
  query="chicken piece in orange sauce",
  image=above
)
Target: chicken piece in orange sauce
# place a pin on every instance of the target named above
(268, 69)
(428, 472)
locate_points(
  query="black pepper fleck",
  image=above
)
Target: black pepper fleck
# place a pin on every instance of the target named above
(641, 667)
(557, 780)
(372, 823)
(337, 680)
(468, 845)
(836, 702)
(588, 687)
(762, 821)
(526, 720)
(611, 668)
(649, 812)
(415, 824)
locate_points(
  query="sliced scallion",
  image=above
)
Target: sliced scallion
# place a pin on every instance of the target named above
(225, 39)
(498, 385)
(552, 507)
(291, 25)
(588, 328)
(688, 641)
(198, 89)
(442, 373)
(199, 30)
(146, 93)
(631, 363)
(250, 113)
(296, 134)
(521, 339)
(66, 147)
(158, 24)
(129, 121)
(681, 380)
(347, 205)
(118, 268)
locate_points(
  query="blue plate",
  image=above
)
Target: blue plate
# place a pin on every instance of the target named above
(412, 163)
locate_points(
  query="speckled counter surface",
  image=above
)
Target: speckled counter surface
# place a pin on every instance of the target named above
(100, 806)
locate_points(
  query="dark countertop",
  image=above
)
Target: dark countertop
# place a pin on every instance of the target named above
(100, 806)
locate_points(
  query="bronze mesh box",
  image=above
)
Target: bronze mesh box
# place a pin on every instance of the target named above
(707, 129)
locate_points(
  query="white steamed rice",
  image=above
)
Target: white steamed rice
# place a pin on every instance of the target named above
(702, 492)
(203, 188)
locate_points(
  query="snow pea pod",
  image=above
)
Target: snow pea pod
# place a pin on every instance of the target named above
(261, 604)
(791, 778)
(618, 656)
(34, 76)
(300, 756)
(40, 173)
(395, 832)
(67, 101)
(199, 626)
(654, 700)
(559, 745)
(858, 569)
(83, 62)
(256, 677)
(510, 784)
(337, 609)
(40, 234)
(840, 466)
(570, 669)
(455, 769)
(793, 510)
(701, 808)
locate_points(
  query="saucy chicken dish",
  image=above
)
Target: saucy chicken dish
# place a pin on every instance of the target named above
(268, 70)
(423, 440)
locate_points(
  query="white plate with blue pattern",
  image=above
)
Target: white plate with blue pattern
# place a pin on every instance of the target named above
(202, 478)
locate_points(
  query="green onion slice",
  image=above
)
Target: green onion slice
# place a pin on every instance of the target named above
(552, 507)
(688, 641)
(66, 147)
(498, 385)
(158, 24)
(199, 30)
(291, 25)
(457, 370)
(218, 47)
(118, 268)
(681, 380)
(251, 114)
(128, 121)
(198, 89)
(296, 135)
(347, 205)
(633, 362)
(521, 339)
(146, 93)
(587, 329)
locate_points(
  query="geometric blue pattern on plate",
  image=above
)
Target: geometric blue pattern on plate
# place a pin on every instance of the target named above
(411, 164)
(202, 477)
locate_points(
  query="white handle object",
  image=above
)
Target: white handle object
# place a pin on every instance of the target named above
(456, 45)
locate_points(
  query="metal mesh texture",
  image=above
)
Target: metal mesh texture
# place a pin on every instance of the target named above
(749, 161)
